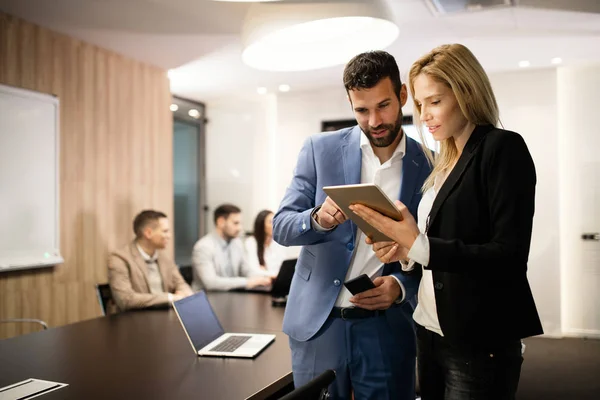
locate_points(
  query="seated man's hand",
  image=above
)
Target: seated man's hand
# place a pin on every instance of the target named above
(258, 281)
(182, 293)
(176, 297)
(385, 293)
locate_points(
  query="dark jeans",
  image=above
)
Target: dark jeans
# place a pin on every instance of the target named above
(451, 372)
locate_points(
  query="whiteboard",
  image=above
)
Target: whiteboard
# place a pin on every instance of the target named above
(29, 179)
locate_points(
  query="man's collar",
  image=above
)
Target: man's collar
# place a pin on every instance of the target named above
(145, 256)
(399, 151)
(219, 239)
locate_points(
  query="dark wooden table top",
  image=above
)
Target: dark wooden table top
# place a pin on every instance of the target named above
(146, 355)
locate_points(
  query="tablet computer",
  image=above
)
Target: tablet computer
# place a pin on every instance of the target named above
(367, 194)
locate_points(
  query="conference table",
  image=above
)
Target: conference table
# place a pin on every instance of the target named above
(146, 355)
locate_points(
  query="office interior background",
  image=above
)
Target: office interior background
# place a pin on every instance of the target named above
(129, 73)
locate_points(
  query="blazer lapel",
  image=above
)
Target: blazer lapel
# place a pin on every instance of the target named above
(140, 263)
(352, 160)
(411, 166)
(352, 156)
(162, 269)
(458, 170)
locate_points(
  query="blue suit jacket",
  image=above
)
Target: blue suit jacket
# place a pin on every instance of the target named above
(332, 159)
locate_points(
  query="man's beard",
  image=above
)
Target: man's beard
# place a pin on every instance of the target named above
(385, 141)
(227, 236)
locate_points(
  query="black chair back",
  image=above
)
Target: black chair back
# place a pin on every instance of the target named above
(107, 304)
(313, 390)
(186, 273)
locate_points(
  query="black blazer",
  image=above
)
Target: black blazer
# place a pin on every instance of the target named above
(479, 232)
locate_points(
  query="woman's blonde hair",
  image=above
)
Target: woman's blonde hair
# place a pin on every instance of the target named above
(455, 66)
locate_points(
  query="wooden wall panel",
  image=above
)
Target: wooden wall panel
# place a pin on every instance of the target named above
(116, 134)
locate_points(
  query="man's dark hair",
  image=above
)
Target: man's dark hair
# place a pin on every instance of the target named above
(224, 210)
(365, 71)
(143, 219)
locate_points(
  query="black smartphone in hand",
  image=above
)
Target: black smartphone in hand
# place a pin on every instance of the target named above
(359, 284)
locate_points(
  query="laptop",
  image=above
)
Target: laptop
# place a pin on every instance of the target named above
(207, 336)
(281, 286)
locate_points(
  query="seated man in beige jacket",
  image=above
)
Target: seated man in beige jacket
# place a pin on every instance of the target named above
(139, 274)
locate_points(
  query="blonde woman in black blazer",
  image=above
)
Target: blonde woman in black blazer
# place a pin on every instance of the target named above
(472, 243)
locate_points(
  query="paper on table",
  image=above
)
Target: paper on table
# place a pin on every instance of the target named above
(29, 389)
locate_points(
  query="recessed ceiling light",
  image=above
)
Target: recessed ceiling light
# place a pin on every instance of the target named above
(556, 60)
(317, 36)
(194, 113)
(261, 90)
(174, 107)
(524, 64)
(246, 1)
(284, 88)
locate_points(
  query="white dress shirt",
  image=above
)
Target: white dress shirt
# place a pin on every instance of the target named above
(426, 312)
(154, 279)
(220, 264)
(388, 176)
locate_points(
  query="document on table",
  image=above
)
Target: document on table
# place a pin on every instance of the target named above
(29, 389)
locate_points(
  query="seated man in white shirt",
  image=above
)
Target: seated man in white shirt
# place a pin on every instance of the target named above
(219, 257)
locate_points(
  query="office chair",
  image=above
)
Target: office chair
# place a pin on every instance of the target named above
(107, 304)
(186, 273)
(313, 390)
(43, 324)
(417, 386)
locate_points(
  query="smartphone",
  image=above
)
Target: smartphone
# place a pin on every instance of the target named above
(359, 284)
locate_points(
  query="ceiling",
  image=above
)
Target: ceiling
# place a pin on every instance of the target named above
(200, 42)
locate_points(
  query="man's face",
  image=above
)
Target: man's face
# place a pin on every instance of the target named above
(158, 233)
(231, 226)
(378, 111)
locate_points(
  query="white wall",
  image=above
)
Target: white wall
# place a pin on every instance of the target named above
(530, 102)
(299, 116)
(527, 102)
(234, 174)
(579, 161)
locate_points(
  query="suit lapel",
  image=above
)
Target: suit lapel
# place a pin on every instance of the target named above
(352, 156)
(140, 263)
(411, 166)
(162, 269)
(458, 170)
(352, 160)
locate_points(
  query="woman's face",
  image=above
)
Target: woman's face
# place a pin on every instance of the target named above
(439, 108)
(269, 225)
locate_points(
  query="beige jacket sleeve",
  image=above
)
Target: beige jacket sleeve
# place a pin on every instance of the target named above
(126, 298)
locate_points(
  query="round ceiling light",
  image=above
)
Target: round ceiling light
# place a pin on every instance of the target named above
(300, 37)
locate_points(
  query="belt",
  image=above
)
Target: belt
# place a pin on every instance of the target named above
(354, 313)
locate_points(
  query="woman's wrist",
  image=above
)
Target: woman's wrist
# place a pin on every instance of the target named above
(412, 240)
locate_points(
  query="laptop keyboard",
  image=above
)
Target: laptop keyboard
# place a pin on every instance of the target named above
(231, 344)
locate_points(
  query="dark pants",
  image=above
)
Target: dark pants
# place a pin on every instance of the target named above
(451, 372)
(372, 357)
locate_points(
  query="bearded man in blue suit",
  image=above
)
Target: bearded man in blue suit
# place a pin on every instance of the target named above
(372, 349)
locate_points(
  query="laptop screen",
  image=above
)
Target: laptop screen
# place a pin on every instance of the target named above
(281, 287)
(198, 319)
